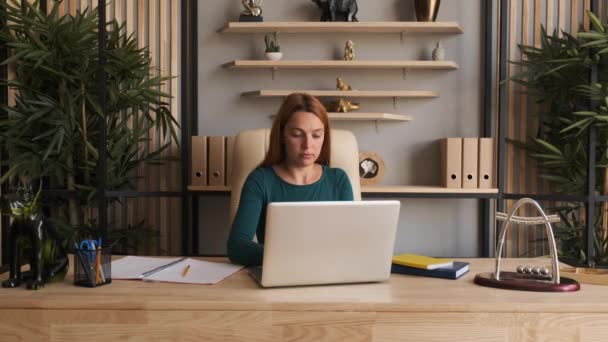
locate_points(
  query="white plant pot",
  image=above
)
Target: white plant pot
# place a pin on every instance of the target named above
(274, 56)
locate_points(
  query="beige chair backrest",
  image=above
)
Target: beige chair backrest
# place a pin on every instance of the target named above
(250, 148)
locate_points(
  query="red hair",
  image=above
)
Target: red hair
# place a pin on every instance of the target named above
(294, 103)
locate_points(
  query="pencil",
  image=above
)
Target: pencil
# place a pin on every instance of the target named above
(98, 266)
(186, 271)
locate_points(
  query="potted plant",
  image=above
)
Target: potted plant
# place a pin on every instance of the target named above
(273, 50)
(51, 131)
(556, 76)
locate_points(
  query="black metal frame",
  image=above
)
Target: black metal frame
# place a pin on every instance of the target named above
(487, 216)
(3, 115)
(189, 105)
(188, 101)
(101, 161)
(591, 198)
(487, 219)
(189, 81)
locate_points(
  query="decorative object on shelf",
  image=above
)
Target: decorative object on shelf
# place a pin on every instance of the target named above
(371, 168)
(426, 10)
(342, 106)
(349, 51)
(439, 52)
(341, 85)
(31, 235)
(252, 11)
(273, 50)
(338, 10)
(527, 278)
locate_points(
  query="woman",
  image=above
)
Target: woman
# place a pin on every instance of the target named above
(295, 169)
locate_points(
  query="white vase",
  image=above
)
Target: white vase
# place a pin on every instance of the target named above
(274, 56)
(439, 52)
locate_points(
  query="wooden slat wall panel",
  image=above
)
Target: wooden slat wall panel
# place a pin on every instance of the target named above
(525, 20)
(535, 235)
(523, 105)
(156, 24)
(175, 90)
(153, 144)
(165, 170)
(512, 89)
(142, 41)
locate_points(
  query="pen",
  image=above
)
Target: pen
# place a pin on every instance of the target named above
(186, 271)
(158, 269)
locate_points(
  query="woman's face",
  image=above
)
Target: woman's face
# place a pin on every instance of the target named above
(303, 138)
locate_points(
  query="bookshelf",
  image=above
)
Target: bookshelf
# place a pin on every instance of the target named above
(375, 27)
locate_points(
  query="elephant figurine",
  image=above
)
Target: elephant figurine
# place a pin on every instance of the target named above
(337, 10)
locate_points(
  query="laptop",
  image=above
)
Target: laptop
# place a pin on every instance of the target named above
(313, 243)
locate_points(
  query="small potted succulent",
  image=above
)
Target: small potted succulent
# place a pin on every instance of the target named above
(273, 50)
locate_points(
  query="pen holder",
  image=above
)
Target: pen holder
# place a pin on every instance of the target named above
(92, 268)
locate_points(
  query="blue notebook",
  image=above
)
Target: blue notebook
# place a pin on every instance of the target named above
(454, 272)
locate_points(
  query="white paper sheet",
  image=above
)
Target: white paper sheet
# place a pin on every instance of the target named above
(201, 272)
(132, 267)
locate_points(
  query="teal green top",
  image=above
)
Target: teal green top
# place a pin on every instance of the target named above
(264, 186)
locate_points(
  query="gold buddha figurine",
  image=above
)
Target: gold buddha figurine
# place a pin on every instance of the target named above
(349, 51)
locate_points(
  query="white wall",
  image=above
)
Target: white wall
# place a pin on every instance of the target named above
(441, 227)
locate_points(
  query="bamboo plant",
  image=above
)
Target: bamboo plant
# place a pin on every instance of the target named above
(557, 75)
(51, 131)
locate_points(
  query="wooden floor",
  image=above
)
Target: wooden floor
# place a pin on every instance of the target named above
(405, 308)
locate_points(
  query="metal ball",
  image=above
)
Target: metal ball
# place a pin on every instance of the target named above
(544, 271)
(520, 269)
(528, 270)
(536, 270)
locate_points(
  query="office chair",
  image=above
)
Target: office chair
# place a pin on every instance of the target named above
(250, 148)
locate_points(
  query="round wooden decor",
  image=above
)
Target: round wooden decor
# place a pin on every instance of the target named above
(371, 168)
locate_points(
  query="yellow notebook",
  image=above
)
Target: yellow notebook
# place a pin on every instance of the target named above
(421, 261)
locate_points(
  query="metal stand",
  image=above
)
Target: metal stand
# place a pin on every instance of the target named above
(524, 279)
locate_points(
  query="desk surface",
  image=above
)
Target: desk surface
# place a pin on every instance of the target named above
(239, 292)
(405, 308)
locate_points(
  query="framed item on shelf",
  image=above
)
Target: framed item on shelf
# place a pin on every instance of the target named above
(371, 168)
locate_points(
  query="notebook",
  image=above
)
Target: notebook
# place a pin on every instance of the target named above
(172, 270)
(457, 270)
(313, 243)
(421, 261)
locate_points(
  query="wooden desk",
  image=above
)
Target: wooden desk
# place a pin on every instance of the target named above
(406, 308)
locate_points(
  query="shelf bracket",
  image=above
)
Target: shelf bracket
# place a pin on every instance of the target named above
(376, 126)
(405, 72)
(274, 71)
(395, 102)
(402, 38)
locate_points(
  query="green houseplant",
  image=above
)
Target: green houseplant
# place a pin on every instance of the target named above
(51, 131)
(273, 49)
(557, 76)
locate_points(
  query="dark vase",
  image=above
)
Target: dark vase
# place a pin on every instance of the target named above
(426, 10)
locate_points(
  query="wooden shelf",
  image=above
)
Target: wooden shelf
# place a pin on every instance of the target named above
(347, 27)
(356, 116)
(360, 116)
(209, 188)
(352, 93)
(424, 190)
(382, 190)
(339, 64)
